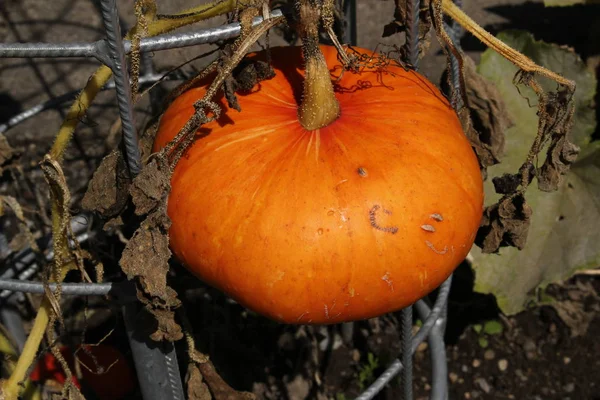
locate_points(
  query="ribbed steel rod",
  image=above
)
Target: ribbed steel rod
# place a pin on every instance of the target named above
(439, 364)
(407, 375)
(412, 31)
(155, 43)
(123, 89)
(155, 362)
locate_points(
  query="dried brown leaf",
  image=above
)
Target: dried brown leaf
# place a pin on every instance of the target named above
(489, 116)
(505, 223)
(574, 315)
(150, 188)
(147, 254)
(146, 258)
(107, 193)
(167, 328)
(561, 154)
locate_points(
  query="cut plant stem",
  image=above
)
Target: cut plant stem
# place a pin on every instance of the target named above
(520, 60)
(319, 106)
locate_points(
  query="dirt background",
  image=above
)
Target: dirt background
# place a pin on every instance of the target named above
(536, 356)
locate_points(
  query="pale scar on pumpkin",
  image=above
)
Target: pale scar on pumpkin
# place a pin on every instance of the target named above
(386, 279)
(437, 217)
(373, 220)
(428, 228)
(302, 315)
(432, 247)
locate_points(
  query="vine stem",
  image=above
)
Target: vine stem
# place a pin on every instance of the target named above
(11, 388)
(519, 59)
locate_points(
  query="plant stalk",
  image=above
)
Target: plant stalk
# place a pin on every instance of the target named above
(519, 59)
(319, 106)
(11, 387)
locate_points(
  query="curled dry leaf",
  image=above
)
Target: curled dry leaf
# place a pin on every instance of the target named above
(146, 257)
(561, 154)
(244, 77)
(147, 254)
(489, 116)
(108, 191)
(167, 328)
(564, 231)
(505, 223)
(196, 387)
(575, 316)
(150, 187)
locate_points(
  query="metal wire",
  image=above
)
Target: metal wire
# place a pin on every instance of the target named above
(55, 102)
(97, 49)
(69, 289)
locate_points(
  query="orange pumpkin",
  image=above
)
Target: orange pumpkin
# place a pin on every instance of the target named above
(346, 222)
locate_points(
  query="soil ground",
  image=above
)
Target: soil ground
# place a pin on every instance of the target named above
(535, 356)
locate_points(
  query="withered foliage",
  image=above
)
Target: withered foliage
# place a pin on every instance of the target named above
(506, 223)
(487, 118)
(107, 192)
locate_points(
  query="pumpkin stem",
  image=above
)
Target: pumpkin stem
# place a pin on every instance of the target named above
(319, 106)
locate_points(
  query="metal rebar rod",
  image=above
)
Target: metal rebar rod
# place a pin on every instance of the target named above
(438, 309)
(412, 31)
(350, 28)
(155, 363)
(406, 329)
(155, 43)
(428, 325)
(123, 88)
(439, 366)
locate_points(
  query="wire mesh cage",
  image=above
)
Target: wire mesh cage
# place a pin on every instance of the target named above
(157, 367)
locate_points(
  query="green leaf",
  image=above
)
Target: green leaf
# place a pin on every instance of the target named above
(483, 342)
(493, 328)
(565, 229)
(563, 3)
(477, 328)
